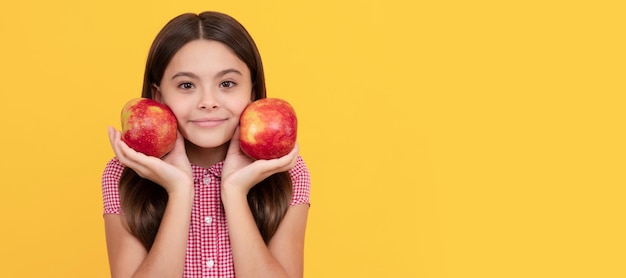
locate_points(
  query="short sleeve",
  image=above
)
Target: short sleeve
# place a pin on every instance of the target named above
(301, 179)
(110, 181)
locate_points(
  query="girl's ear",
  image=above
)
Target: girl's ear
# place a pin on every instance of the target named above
(156, 93)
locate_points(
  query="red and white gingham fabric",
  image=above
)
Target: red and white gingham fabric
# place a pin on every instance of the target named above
(208, 246)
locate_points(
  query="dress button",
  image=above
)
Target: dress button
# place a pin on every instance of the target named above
(207, 180)
(210, 263)
(208, 220)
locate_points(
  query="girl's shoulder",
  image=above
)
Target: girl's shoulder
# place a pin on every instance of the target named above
(299, 169)
(301, 180)
(110, 180)
(111, 176)
(113, 168)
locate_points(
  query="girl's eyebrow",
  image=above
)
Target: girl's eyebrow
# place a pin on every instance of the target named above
(227, 71)
(219, 74)
(186, 74)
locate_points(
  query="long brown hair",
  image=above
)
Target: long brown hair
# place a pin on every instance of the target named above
(143, 201)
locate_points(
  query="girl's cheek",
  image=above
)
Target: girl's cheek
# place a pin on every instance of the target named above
(244, 105)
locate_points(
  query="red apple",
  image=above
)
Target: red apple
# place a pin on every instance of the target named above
(148, 127)
(268, 128)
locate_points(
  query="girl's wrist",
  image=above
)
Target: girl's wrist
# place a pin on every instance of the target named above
(232, 193)
(181, 192)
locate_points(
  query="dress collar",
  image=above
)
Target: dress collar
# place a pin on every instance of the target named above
(215, 170)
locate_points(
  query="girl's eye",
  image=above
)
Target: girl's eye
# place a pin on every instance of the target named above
(227, 84)
(185, 85)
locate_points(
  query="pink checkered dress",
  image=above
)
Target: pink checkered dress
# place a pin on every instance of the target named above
(208, 246)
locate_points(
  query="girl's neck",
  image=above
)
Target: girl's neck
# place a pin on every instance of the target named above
(205, 157)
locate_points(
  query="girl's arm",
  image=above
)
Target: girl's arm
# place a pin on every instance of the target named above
(283, 256)
(125, 251)
(166, 258)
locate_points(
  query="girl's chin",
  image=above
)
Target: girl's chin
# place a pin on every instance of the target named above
(203, 144)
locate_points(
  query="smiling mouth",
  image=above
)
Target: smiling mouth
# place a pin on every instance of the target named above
(208, 122)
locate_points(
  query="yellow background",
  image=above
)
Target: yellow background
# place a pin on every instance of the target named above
(445, 138)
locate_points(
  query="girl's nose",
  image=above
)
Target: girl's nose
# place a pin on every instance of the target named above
(208, 101)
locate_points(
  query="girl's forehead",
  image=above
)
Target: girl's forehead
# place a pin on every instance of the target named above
(205, 56)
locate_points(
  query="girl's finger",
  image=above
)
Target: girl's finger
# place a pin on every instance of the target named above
(114, 138)
(126, 155)
(281, 164)
(179, 147)
(234, 142)
(289, 160)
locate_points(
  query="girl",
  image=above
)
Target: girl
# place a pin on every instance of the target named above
(205, 209)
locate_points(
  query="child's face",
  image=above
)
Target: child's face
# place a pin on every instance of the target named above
(207, 87)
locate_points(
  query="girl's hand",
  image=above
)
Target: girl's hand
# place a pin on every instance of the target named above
(173, 172)
(241, 172)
